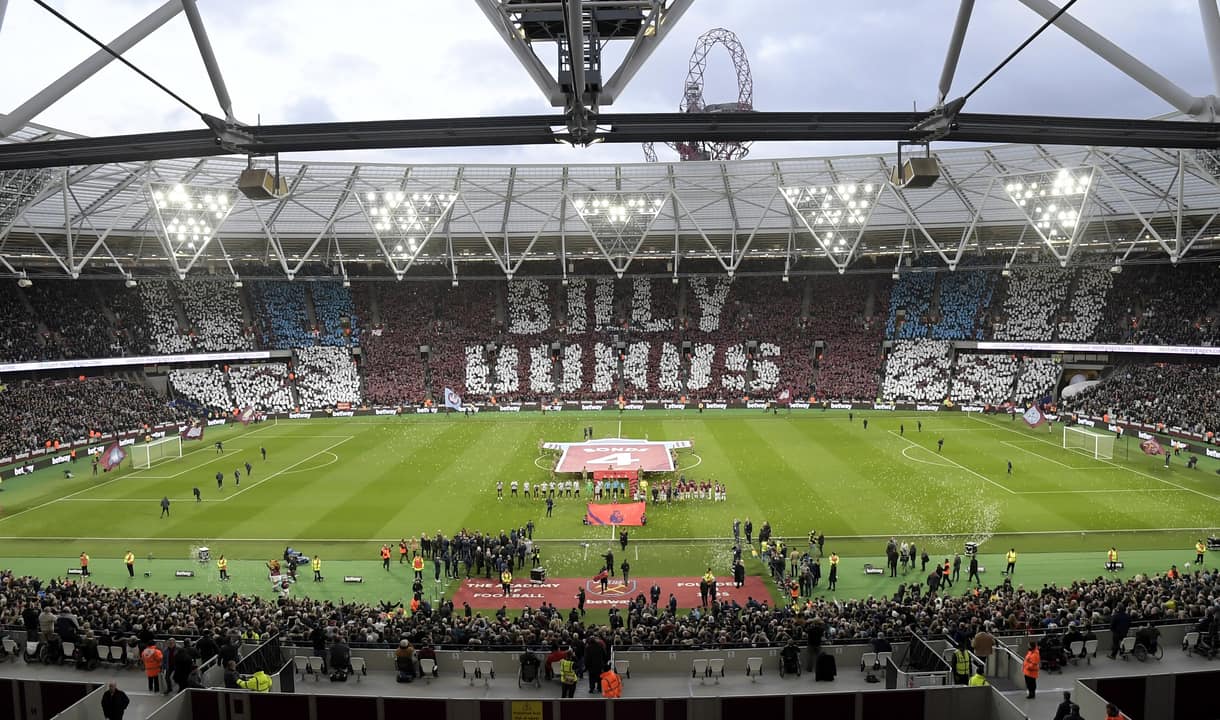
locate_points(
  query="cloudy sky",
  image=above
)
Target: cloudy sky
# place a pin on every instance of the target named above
(292, 61)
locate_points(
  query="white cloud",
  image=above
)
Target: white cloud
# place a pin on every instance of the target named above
(317, 60)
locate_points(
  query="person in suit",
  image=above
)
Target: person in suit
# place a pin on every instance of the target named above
(114, 702)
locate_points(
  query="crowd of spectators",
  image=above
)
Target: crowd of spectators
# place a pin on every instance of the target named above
(130, 316)
(264, 387)
(393, 370)
(1166, 305)
(980, 378)
(338, 324)
(282, 317)
(1180, 395)
(1034, 298)
(76, 325)
(33, 413)
(1037, 379)
(214, 312)
(910, 300)
(19, 341)
(1004, 609)
(161, 320)
(849, 367)
(326, 376)
(918, 370)
(205, 387)
(962, 303)
(1087, 305)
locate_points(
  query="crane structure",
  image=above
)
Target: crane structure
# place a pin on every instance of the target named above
(693, 100)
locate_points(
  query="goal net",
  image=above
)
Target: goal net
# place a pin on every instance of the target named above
(146, 454)
(1099, 445)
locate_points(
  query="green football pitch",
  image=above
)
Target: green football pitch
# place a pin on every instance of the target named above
(341, 487)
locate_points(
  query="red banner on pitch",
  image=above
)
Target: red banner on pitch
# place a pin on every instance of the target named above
(615, 514)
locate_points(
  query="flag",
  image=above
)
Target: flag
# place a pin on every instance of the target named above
(453, 400)
(193, 432)
(1151, 447)
(247, 415)
(113, 456)
(783, 397)
(1033, 416)
(615, 514)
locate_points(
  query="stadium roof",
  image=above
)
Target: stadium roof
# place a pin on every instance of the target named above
(104, 219)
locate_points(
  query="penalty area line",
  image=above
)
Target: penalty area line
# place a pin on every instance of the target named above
(954, 464)
(1107, 462)
(285, 470)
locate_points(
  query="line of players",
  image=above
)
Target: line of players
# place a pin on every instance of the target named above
(662, 491)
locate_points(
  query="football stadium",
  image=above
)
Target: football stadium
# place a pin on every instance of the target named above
(566, 405)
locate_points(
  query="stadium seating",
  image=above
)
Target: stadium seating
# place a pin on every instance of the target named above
(917, 370)
(265, 387)
(912, 296)
(1036, 379)
(161, 320)
(282, 315)
(33, 412)
(213, 310)
(332, 303)
(1034, 298)
(983, 379)
(1175, 395)
(1086, 306)
(19, 340)
(849, 367)
(963, 300)
(325, 377)
(76, 324)
(206, 387)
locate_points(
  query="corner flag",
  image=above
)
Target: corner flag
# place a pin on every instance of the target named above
(453, 400)
(1034, 416)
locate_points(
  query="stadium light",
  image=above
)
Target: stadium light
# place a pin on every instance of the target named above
(835, 214)
(130, 283)
(618, 220)
(23, 281)
(1052, 201)
(188, 216)
(403, 220)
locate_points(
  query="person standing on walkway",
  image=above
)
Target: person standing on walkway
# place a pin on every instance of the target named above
(567, 676)
(114, 702)
(84, 564)
(317, 569)
(1120, 625)
(152, 667)
(1033, 661)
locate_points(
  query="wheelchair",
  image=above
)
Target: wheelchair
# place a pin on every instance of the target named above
(1147, 645)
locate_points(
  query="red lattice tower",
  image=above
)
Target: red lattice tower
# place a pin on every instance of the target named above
(693, 102)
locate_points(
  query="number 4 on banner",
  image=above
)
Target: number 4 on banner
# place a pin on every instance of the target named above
(617, 459)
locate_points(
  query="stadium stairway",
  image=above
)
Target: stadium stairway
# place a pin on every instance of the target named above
(311, 312)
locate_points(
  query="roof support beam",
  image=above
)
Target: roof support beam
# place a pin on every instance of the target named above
(494, 10)
(1160, 85)
(660, 21)
(955, 50)
(344, 196)
(70, 80)
(1211, 32)
(209, 58)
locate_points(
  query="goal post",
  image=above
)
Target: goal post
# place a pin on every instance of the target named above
(1099, 445)
(146, 454)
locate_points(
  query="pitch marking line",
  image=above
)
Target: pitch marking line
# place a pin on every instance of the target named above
(290, 467)
(196, 451)
(1040, 456)
(886, 536)
(958, 465)
(1107, 462)
(227, 456)
(925, 462)
(333, 459)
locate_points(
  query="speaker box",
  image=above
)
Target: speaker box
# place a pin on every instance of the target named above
(916, 173)
(261, 185)
(424, 351)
